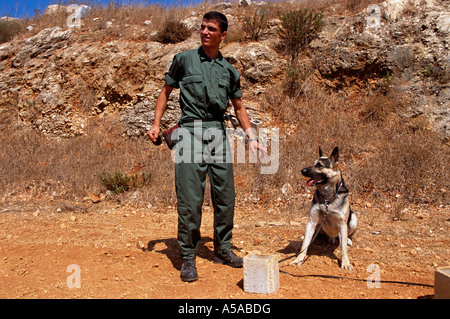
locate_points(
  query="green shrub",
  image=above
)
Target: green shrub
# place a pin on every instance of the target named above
(119, 183)
(173, 32)
(256, 26)
(298, 29)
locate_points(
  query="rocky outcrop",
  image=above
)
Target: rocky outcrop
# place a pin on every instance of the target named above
(257, 62)
(138, 118)
(60, 79)
(404, 43)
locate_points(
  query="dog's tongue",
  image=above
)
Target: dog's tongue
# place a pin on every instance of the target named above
(310, 182)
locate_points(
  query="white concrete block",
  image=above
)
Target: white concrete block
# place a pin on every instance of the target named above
(261, 274)
(442, 283)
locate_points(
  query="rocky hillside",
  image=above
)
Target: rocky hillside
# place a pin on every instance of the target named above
(404, 43)
(58, 78)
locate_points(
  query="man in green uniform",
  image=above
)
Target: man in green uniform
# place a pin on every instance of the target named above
(206, 82)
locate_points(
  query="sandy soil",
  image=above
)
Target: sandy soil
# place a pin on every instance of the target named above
(122, 251)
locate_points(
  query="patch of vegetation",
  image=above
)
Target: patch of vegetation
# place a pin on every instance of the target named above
(256, 26)
(120, 183)
(298, 29)
(9, 29)
(173, 32)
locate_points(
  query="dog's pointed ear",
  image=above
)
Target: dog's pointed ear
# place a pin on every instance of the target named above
(320, 152)
(335, 155)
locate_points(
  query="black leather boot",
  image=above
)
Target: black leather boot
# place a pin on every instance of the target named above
(189, 270)
(228, 258)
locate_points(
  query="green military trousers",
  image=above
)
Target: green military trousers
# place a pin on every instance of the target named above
(203, 150)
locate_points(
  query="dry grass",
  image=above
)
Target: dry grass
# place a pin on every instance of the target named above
(9, 29)
(32, 163)
(173, 32)
(112, 20)
(384, 157)
(123, 17)
(384, 160)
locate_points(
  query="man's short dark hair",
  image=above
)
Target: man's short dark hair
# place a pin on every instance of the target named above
(220, 17)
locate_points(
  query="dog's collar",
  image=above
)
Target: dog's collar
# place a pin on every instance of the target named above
(328, 202)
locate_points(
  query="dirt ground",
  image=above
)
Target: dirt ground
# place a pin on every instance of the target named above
(120, 251)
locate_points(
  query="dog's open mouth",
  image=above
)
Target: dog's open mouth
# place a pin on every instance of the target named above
(314, 181)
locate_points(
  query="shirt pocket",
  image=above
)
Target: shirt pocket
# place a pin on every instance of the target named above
(223, 92)
(194, 88)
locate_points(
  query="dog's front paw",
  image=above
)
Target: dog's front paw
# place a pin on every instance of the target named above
(347, 266)
(298, 261)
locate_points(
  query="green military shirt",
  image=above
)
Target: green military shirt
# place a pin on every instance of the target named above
(205, 85)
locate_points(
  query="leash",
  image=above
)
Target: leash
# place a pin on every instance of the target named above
(359, 279)
(230, 117)
(313, 238)
(341, 277)
(327, 204)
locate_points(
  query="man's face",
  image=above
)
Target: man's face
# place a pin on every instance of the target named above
(210, 34)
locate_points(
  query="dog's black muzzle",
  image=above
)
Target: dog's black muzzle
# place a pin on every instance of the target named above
(304, 172)
(310, 172)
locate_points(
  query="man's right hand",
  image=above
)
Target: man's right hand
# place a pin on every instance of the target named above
(161, 103)
(153, 133)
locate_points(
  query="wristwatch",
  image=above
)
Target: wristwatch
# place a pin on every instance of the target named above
(253, 139)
